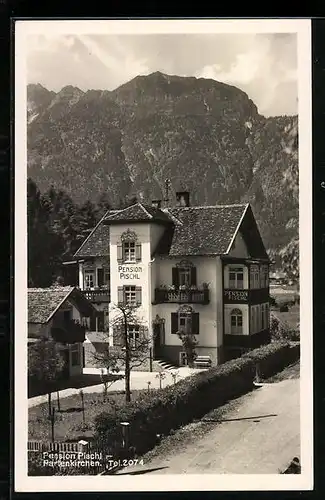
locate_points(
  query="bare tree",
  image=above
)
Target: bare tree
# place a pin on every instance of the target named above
(131, 344)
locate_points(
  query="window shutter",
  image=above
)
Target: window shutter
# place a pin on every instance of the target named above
(175, 276)
(174, 323)
(138, 293)
(119, 252)
(120, 295)
(193, 275)
(138, 251)
(195, 323)
(100, 277)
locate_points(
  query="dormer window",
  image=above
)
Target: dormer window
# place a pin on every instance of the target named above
(129, 249)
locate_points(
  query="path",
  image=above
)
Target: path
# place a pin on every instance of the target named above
(139, 380)
(259, 437)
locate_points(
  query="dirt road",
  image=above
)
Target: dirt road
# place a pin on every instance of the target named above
(260, 436)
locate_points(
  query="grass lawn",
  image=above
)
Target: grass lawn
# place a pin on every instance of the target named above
(69, 421)
(292, 317)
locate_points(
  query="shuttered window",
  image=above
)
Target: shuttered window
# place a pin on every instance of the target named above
(184, 276)
(131, 295)
(186, 322)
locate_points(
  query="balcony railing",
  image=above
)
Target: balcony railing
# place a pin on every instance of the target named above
(252, 296)
(247, 341)
(182, 296)
(100, 295)
(68, 331)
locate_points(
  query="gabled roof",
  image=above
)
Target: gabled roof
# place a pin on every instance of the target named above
(205, 230)
(43, 303)
(137, 213)
(197, 230)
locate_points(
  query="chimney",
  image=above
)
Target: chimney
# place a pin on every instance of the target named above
(156, 203)
(183, 199)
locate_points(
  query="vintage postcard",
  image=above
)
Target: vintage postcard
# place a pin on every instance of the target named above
(163, 246)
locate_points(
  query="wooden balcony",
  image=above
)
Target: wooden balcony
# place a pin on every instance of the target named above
(189, 296)
(247, 341)
(245, 296)
(97, 296)
(68, 331)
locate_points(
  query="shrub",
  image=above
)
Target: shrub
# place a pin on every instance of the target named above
(165, 409)
(284, 308)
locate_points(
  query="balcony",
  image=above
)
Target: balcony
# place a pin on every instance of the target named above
(68, 331)
(247, 341)
(100, 295)
(189, 296)
(252, 296)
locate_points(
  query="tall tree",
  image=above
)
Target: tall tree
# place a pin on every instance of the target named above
(131, 344)
(44, 245)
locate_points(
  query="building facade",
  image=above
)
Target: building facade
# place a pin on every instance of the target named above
(196, 269)
(61, 314)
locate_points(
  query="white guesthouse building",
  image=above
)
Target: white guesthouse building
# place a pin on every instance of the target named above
(201, 269)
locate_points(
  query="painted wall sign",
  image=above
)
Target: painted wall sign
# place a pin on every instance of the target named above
(236, 295)
(129, 272)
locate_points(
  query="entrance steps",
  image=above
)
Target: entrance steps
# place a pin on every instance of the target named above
(165, 365)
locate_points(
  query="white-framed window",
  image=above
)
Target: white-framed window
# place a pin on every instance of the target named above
(182, 359)
(236, 322)
(129, 251)
(185, 322)
(264, 276)
(236, 277)
(130, 294)
(134, 334)
(89, 279)
(184, 276)
(254, 277)
(75, 355)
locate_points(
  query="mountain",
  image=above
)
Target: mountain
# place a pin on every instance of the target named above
(205, 136)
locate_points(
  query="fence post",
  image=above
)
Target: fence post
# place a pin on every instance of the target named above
(52, 423)
(58, 400)
(125, 436)
(49, 404)
(83, 406)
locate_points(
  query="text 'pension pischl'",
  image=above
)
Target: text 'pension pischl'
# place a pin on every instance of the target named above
(130, 272)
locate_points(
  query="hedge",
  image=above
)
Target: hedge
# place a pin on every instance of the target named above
(166, 409)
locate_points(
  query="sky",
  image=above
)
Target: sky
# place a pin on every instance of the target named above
(262, 65)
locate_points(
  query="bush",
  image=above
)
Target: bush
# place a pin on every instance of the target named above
(176, 405)
(284, 308)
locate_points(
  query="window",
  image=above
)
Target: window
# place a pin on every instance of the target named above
(264, 277)
(185, 321)
(89, 279)
(75, 355)
(134, 334)
(254, 277)
(236, 278)
(184, 274)
(128, 249)
(131, 295)
(236, 322)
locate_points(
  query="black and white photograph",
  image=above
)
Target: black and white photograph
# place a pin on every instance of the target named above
(163, 268)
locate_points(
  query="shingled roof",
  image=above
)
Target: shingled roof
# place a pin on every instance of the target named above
(197, 230)
(137, 213)
(44, 302)
(205, 230)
